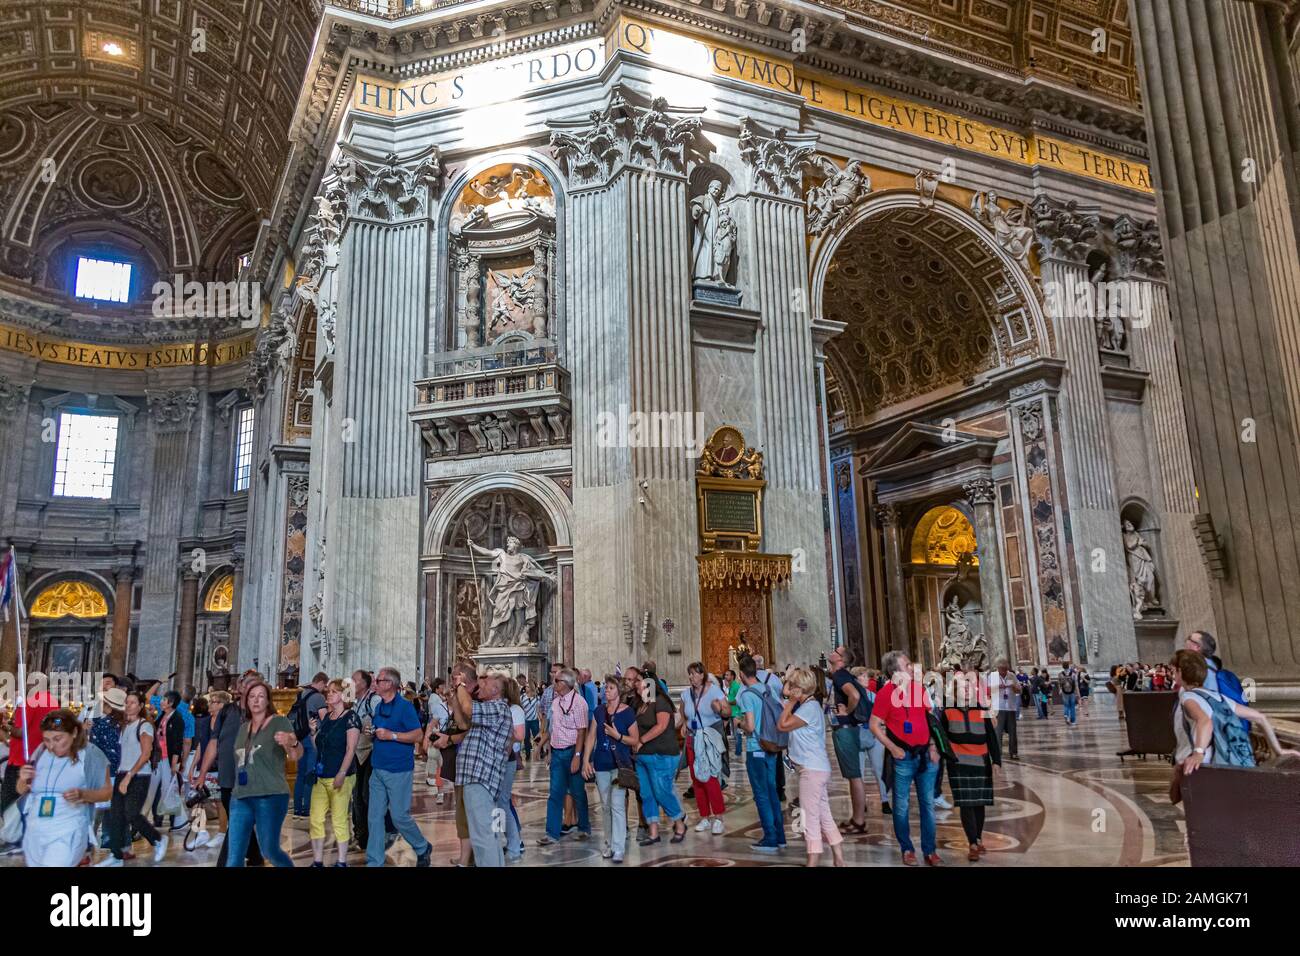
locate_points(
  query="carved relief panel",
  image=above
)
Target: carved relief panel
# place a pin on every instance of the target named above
(503, 258)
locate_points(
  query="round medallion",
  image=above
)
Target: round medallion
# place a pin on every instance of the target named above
(476, 523)
(213, 177)
(522, 526)
(111, 183)
(13, 136)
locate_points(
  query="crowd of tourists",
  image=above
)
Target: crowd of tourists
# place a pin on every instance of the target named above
(144, 764)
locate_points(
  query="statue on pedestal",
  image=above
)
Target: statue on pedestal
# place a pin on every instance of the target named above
(513, 602)
(715, 237)
(1141, 572)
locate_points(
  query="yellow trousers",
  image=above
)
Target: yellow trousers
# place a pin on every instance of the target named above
(325, 799)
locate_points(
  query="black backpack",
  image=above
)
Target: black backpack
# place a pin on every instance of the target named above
(1067, 685)
(298, 715)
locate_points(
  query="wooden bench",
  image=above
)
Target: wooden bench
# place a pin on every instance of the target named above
(1149, 720)
(1238, 816)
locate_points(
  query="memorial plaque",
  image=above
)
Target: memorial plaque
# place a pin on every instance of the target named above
(731, 511)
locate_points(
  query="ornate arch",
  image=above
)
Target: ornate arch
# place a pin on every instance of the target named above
(93, 580)
(547, 494)
(1022, 284)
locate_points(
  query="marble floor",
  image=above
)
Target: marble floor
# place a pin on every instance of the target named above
(1068, 801)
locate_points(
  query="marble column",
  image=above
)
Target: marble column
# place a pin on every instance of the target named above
(982, 495)
(384, 206)
(120, 639)
(628, 288)
(186, 631)
(1183, 581)
(900, 636)
(14, 397)
(1066, 235)
(236, 612)
(1219, 101)
(171, 412)
(786, 371)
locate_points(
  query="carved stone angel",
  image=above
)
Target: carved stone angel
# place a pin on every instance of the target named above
(830, 203)
(1010, 227)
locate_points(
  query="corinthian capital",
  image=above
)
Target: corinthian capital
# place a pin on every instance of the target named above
(1138, 251)
(776, 158)
(1063, 230)
(887, 516)
(12, 395)
(980, 491)
(388, 188)
(172, 410)
(589, 151)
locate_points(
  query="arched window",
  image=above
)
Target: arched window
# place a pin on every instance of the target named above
(70, 599)
(103, 279)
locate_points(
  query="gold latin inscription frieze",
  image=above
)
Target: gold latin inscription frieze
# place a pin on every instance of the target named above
(126, 358)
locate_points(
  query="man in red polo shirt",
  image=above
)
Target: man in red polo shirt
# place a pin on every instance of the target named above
(899, 720)
(27, 719)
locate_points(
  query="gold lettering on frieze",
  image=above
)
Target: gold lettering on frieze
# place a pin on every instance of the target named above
(705, 58)
(126, 359)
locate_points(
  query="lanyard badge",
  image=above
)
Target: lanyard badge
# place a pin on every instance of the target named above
(46, 809)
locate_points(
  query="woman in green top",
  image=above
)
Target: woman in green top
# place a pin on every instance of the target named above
(261, 797)
(730, 682)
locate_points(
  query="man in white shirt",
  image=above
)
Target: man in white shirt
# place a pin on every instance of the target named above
(1004, 694)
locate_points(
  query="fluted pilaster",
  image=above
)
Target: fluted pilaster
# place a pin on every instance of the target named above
(1218, 94)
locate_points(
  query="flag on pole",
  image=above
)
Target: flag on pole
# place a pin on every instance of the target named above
(11, 596)
(8, 583)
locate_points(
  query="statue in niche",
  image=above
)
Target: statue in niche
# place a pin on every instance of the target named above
(1141, 571)
(715, 237)
(1010, 227)
(513, 601)
(960, 648)
(514, 296)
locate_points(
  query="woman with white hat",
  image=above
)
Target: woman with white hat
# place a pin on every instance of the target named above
(62, 783)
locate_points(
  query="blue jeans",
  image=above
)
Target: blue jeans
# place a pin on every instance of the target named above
(531, 729)
(1070, 701)
(565, 781)
(390, 792)
(761, 767)
(514, 844)
(480, 814)
(306, 778)
(1042, 707)
(924, 772)
(266, 816)
(740, 736)
(655, 772)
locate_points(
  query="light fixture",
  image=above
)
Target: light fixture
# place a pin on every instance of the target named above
(113, 49)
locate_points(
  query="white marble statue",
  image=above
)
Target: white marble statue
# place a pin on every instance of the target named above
(1010, 227)
(1141, 571)
(715, 236)
(514, 603)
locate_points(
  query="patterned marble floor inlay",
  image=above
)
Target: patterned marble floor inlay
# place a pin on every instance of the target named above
(1068, 801)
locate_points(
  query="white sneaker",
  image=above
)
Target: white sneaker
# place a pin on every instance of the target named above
(942, 803)
(702, 826)
(202, 839)
(160, 849)
(110, 860)
(717, 826)
(438, 801)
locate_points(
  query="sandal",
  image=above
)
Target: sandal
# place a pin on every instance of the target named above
(848, 826)
(678, 835)
(648, 841)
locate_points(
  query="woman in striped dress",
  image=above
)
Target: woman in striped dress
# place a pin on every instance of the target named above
(975, 749)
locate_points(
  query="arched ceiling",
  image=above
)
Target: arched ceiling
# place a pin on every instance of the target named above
(165, 122)
(918, 295)
(1052, 39)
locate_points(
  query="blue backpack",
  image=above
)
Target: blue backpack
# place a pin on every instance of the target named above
(770, 739)
(1230, 687)
(1231, 742)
